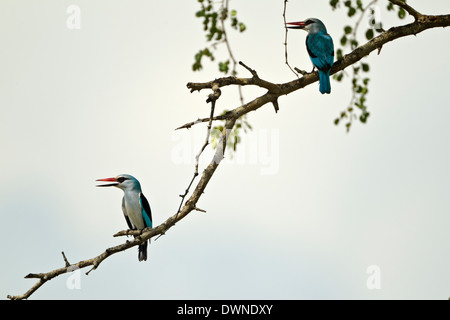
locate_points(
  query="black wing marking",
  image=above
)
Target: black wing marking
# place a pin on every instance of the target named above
(130, 226)
(311, 54)
(147, 210)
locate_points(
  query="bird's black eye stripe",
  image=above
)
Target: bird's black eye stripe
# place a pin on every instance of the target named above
(121, 179)
(308, 22)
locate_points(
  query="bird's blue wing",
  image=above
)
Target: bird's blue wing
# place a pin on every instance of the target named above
(321, 50)
(146, 211)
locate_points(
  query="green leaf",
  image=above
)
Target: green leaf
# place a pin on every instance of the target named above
(365, 67)
(338, 76)
(334, 3)
(234, 22)
(351, 11)
(339, 54)
(348, 29)
(401, 13)
(379, 28)
(197, 66)
(369, 34)
(359, 4)
(223, 66)
(363, 117)
(343, 40)
(354, 43)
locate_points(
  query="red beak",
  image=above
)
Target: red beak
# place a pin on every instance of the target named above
(108, 184)
(296, 25)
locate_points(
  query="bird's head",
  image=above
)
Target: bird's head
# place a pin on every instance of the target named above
(122, 181)
(310, 25)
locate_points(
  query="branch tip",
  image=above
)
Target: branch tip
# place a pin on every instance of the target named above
(65, 259)
(275, 105)
(302, 72)
(253, 72)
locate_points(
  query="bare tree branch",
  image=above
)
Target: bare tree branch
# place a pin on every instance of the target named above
(275, 90)
(421, 23)
(231, 80)
(147, 233)
(211, 98)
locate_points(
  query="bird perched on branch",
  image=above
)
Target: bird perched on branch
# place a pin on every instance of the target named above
(320, 49)
(135, 206)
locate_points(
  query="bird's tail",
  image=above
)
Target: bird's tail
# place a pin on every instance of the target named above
(142, 255)
(324, 79)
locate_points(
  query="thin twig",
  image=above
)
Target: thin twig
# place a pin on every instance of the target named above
(286, 41)
(413, 12)
(65, 259)
(358, 22)
(192, 123)
(253, 72)
(230, 52)
(258, 80)
(211, 98)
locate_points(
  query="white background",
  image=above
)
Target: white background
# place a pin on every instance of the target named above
(77, 105)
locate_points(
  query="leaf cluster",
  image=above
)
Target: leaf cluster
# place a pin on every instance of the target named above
(213, 17)
(358, 9)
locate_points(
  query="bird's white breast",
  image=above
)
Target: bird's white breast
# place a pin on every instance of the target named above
(134, 210)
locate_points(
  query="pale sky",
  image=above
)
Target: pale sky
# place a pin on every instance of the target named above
(300, 212)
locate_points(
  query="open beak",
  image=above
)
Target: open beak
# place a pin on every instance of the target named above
(296, 25)
(108, 184)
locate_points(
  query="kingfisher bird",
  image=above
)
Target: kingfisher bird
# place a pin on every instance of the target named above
(320, 49)
(135, 206)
